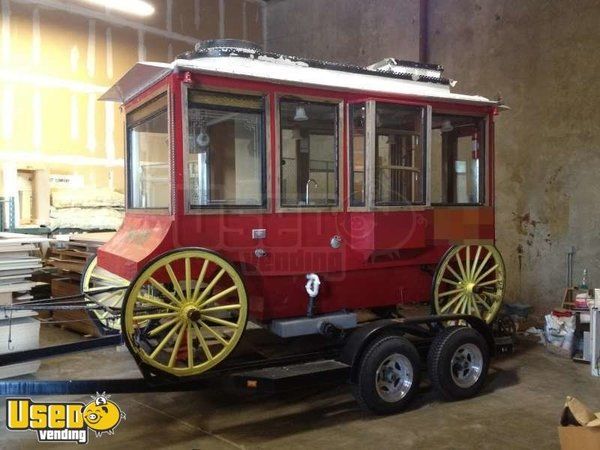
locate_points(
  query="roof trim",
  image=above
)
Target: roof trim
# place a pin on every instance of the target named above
(286, 71)
(137, 79)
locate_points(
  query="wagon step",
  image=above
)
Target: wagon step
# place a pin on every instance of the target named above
(273, 379)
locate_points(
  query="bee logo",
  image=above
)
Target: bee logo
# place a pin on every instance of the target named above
(102, 415)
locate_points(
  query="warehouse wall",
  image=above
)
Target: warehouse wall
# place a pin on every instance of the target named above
(359, 32)
(540, 56)
(58, 56)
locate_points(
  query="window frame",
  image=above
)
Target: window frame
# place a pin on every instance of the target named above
(350, 155)
(163, 210)
(339, 141)
(425, 163)
(483, 174)
(266, 153)
(370, 132)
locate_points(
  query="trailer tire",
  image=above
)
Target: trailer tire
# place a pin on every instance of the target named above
(457, 362)
(388, 375)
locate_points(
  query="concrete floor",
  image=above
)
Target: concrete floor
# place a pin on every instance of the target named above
(519, 408)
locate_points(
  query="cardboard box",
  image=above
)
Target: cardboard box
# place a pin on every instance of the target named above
(579, 438)
(580, 427)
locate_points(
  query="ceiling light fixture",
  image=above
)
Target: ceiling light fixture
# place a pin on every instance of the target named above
(136, 7)
(447, 126)
(300, 115)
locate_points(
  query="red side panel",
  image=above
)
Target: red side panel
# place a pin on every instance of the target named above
(140, 238)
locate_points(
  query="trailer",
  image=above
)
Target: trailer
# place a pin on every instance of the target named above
(303, 200)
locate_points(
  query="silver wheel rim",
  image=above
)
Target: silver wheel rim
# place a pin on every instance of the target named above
(466, 365)
(394, 378)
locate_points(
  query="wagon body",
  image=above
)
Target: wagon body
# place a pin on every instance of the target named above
(383, 251)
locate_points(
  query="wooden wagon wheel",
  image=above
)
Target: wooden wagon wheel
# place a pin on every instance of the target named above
(96, 278)
(185, 312)
(470, 279)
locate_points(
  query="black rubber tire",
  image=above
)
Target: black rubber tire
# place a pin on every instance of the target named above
(439, 361)
(364, 389)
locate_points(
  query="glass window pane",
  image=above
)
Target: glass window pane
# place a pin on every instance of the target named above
(357, 154)
(399, 159)
(457, 152)
(226, 150)
(309, 172)
(148, 158)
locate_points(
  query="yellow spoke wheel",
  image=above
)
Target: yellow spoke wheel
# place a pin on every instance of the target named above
(185, 312)
(470, 279)
(96, 278)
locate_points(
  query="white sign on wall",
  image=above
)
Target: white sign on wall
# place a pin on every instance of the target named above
(66, 181)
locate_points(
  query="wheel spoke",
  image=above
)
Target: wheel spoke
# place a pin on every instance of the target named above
(476, 308)
(460, 266)
(217, 336)
(165, 340)
(164, 326)
(474, 267)
(163, 291)
(109, 279)
(480, 300)
(176, 346)
(482, 266)
(174, 281)
(218, 296)
(188, 278)
(202, 341)
(200, 280)
(221, 308)
(453, 291)
(154, 302)
(210, 286)
(190, 347)
(468, 262)
(446, 280)
(225, 323)
(451, 302)
(489, 282)
(103, 299)
(482, 277)
(453, 272)
(153, 316)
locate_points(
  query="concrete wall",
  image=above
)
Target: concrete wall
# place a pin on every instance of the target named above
(542, 57)
(359, 32)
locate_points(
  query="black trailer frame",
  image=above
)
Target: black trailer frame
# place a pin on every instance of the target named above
(336, 364)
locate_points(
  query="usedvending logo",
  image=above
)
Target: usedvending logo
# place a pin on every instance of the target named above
(64, 421)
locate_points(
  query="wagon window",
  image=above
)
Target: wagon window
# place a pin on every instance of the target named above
(226, 150)
(457, 154)
(357, 154)
(399, 155)
(148, 155)
(309, 172)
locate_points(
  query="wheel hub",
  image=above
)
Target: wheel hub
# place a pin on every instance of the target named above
(394, 378)
(191, 312)
(466, 365)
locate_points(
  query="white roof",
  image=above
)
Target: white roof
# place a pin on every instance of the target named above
(284, 71)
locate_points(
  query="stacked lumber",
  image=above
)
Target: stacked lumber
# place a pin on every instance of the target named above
(20, 257)
(69, 254)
